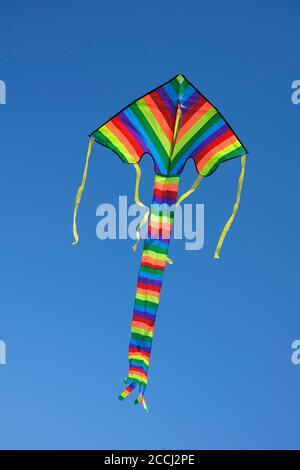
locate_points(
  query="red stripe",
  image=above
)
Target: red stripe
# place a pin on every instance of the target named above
(146, 321)
(170, 120)
(148, 287)
(165, 193)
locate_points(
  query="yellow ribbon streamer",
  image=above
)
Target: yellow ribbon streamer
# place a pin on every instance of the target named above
(235, 208)
(190, 191)
(139, 203)
(80, 190)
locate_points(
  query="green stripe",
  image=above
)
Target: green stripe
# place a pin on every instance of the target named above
(149, 246)
(146, 303)
(147, 269)
(184, 86)
(141, 337)
(175, 85)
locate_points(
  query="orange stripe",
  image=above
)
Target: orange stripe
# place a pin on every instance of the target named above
(123, 139)
(159, 117)
(154, 262)
(144, 326)
(193, 119)
(147, 292)
(166, 187)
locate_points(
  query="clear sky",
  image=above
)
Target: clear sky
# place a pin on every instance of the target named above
(221, 374)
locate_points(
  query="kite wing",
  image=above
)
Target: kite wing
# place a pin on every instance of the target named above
(203, 134)
(172, 123)
(145, 126)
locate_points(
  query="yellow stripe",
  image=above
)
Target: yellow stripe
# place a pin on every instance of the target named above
(235, 208)
(166, 179)
(177, 123)
(147, 297)
(154, 255)
(142, 331)
(139, 358)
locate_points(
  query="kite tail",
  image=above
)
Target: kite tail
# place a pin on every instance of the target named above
(154, 259)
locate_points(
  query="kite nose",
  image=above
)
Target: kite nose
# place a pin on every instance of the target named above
(180, 77)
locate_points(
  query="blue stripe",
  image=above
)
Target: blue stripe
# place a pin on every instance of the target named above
(172, 94)
(186, 95)
(140, 342)
(140, 313)
(145, 309)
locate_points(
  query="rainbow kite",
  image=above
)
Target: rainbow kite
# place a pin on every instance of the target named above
(172, 123)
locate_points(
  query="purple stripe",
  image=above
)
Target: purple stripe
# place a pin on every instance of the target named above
(186, 105)
(165, 97)
(151, 282)
(148, 316)
(164, 200)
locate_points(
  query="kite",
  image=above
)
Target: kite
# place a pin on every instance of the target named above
(172, 123)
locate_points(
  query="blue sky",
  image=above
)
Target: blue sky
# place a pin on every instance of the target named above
(221, 375)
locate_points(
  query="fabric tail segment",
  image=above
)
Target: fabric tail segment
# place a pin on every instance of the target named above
(154, 259)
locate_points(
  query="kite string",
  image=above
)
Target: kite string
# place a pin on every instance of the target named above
(235, 209)
(80, 190)
(139, 203)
